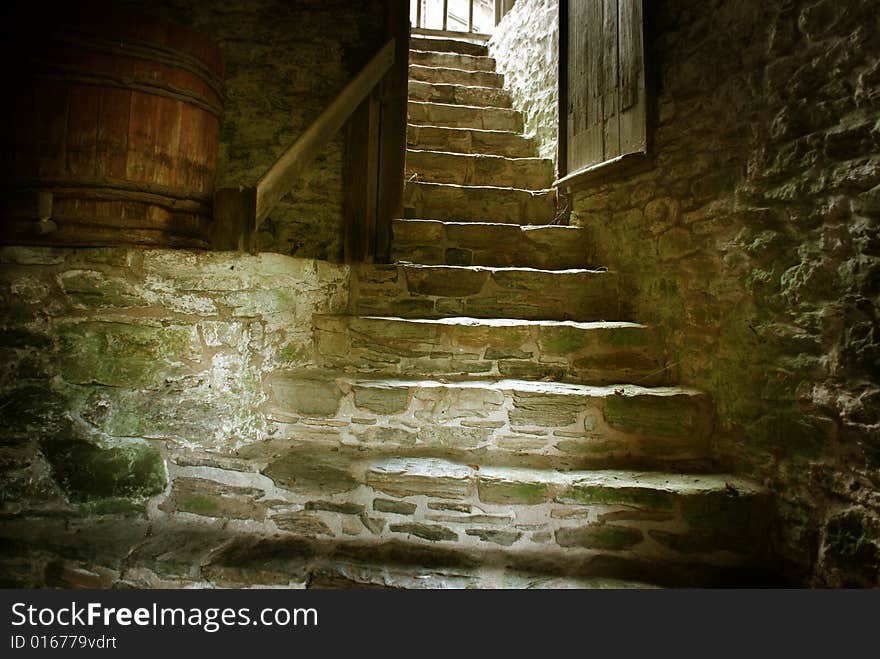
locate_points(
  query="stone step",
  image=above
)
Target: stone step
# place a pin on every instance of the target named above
(434, 510)
(596, 353)
(464, 116)
(253, 554)
(445, 201)
(479, 169)
(470, 140)
(448, 46)
(460, 94)
(432, 291)
(450, 76)
(432, 242)
(510, 422)
(451, 60)
(354, 573)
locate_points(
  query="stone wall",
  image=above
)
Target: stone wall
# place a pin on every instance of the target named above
(120, 367)
(285, 62)
(752, 243)
(525, 46)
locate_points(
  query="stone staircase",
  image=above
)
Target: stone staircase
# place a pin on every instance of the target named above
(489, 405)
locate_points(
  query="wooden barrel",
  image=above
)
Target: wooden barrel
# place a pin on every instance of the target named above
(112, 131)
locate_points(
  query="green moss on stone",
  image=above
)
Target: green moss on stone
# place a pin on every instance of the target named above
(86, 470)
(659, 416)
(499, 491)
(199, 504)
(293, 353)
(123, 355)
(602, 536)
(561, 340)
(623, 496)
(95, 290)
(626, 337)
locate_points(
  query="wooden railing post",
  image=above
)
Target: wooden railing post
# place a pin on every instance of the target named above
(235, 219)
(374, 105)
(392, 150)
(361, 178)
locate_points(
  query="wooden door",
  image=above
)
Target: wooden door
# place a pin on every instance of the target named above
(602, 99)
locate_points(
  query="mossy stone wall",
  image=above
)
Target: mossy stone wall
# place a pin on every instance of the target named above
(752, 244)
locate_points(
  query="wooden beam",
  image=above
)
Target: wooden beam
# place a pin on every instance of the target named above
(445, 13)
(280, 178)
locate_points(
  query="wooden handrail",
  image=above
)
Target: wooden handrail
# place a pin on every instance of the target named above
(282, 175)
(373, 108)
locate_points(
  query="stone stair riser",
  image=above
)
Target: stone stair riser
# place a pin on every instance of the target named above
(437, 201)
(503, 421)
(432, 292)
(594, 355)
(470, 243)
(467, 140)
(451, 60)
(464, 116)
(436, 505)
(448, 46)
(445, 76)
(460, 94)
(479, 170)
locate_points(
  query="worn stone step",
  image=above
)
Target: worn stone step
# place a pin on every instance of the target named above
(479, 169)
(509, 422)
(451, 60)
(487, 513)
(451, 76)
(464, 116)
(432, 242)
(662, 516)
(445, 201)
(596, 353)
(354, 573)
(461, 94)
(430, 291)
(186, 550)
(448, 46)
(470, 140)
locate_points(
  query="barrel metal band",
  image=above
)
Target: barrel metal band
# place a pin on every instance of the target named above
(80, 76)
(119, 190)
(147, 51)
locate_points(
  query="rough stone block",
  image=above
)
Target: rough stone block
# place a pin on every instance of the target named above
(434, 478)
(213, 499)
